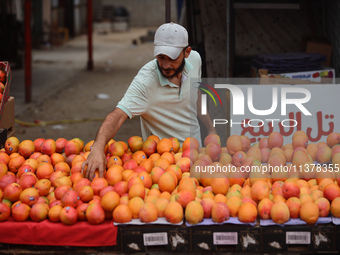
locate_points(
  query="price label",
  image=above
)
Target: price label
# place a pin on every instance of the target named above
(225, 238)
(151, 239)
(298, 237)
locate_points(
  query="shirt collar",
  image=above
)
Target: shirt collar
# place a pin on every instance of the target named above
(164, 81)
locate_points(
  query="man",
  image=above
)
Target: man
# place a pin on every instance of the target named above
(161, 94)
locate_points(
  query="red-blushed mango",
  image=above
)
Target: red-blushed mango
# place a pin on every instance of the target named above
(260, 190)
(309, 213)
(290, 189)
(81, 210)
(38, 143)
(7, 179)
(280, 212)
(324, 206)
(331, 191)
(167, 182)
(212, 138)
(135, 143)
(148, 213)
(333, 139)
(174, 212)
(12, 192)
(70, 198)
(71, 147)
(122, 214)
(184, 163)
(207, 204)
(53, 213)
(86, 194)
(68, 215)
(44, 170)
(114, 174)
(263, 143)
(194, 212)
(239, 158)
(275, 139)
(220, 212)
(95, 214)
(121, 187)
(110, 201)
(5, 211)
(60, 144)
(98, 184)
(247, 213)
(149, 147)
(245, 143)
(80, 183)
(324, 155)
(225, 158)
(312, 150)
(234, 204)
(135, 204)
(219, 184)
(12, 145)
(190, 143)
(234, 144)
(116, 149)
(43, 186)
(39, 212)
(29, 196)
(255, 153)
(15, 163)
(20, 211)
(264, 208)
(48, 147)
(300, 157)
(26, 148)
(161, 204)
(184, 197)
(294, 205)
(176, 146)
(300, 140)
(335, 207)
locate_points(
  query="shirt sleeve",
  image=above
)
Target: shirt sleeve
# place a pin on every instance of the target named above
(134, 101)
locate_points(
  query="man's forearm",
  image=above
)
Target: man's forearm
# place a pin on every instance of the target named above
(109, 127)
(206, 120)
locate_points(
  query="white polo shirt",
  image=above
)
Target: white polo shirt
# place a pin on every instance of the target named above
(165, 109)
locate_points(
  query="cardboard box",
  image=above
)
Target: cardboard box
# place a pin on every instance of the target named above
(3, 137)
(320, 46)
(325, 76)
(226, 238)
(305, 238)
(4, 66)
(6, 93)
(155, 238)
(8, 117)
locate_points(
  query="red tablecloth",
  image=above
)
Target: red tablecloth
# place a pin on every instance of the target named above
(57, 234)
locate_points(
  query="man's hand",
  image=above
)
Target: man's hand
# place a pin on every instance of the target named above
(95, 160)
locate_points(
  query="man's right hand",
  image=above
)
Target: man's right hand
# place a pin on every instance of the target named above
(96, 160)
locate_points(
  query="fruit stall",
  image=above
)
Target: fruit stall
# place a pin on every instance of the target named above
(157, 195)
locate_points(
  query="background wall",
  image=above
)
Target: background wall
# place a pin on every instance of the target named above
(147, 13)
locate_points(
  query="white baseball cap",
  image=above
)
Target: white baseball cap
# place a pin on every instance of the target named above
(170, 39)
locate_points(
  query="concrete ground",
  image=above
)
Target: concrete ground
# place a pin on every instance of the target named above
(75, 99)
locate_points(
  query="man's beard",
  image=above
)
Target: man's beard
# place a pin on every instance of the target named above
(177, 71)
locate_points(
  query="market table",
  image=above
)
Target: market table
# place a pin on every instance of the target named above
(48, 233)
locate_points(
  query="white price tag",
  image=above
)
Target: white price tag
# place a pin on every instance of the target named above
(225, 238)
(298, 237)
(160, 238)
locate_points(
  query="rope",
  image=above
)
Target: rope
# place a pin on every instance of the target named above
(38, 123)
